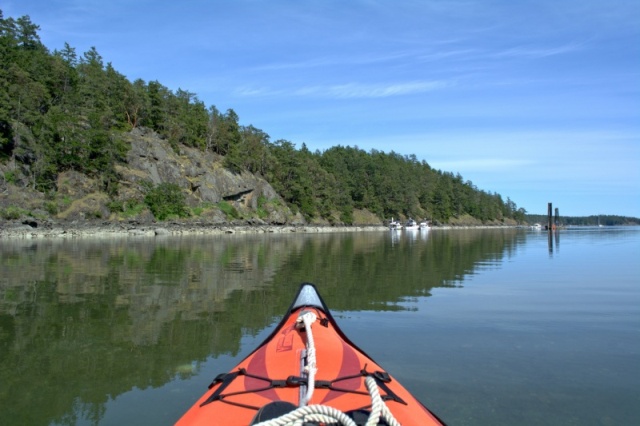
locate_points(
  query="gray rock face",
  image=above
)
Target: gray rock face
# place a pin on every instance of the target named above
(199, 174)
(152, 160)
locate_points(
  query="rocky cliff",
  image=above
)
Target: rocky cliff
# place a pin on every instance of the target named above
(150, 160)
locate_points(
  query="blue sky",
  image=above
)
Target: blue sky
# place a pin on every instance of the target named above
(538, 100)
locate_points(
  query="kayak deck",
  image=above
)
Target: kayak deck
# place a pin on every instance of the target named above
(307, 361)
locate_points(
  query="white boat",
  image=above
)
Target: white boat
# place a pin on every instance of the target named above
(411, 225)
(395, 225)
(424, 225)
(536, 227)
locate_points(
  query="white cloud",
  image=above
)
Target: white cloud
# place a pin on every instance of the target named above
(351, 90)
(328, 61)
(356, 90)
(481, 164)
(536, 52)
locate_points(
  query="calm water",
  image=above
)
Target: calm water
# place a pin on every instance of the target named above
(486, 327)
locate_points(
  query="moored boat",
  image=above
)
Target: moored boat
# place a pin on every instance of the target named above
(394, 225)
(307, 370)
(411, 225)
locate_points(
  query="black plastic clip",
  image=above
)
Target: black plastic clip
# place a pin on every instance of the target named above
(382, 376)
(296, 381)
(225, 379)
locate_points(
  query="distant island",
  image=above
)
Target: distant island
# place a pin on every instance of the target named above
(593, 220)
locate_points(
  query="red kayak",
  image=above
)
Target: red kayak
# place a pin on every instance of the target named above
(307, 371)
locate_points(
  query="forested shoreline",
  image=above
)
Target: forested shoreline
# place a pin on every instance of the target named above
(60, 111)
(593, 220)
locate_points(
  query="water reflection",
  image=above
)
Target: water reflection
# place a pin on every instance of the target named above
(82, 321)
(553, 238)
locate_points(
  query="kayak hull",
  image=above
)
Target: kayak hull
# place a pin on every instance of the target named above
(274, 374)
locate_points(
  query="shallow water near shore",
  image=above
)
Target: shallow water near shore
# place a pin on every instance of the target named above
(501, 326)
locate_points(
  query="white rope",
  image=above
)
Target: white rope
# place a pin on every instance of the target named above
(308, 318)
(376, 401)
(318, 413)
(378, 407)
(324, 413)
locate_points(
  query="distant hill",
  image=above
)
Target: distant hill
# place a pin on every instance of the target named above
(595, 220)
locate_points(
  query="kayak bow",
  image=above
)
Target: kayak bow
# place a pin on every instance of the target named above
(307, 370)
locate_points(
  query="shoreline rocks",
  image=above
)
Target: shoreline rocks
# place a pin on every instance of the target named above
(30, 229)
(33, 230)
